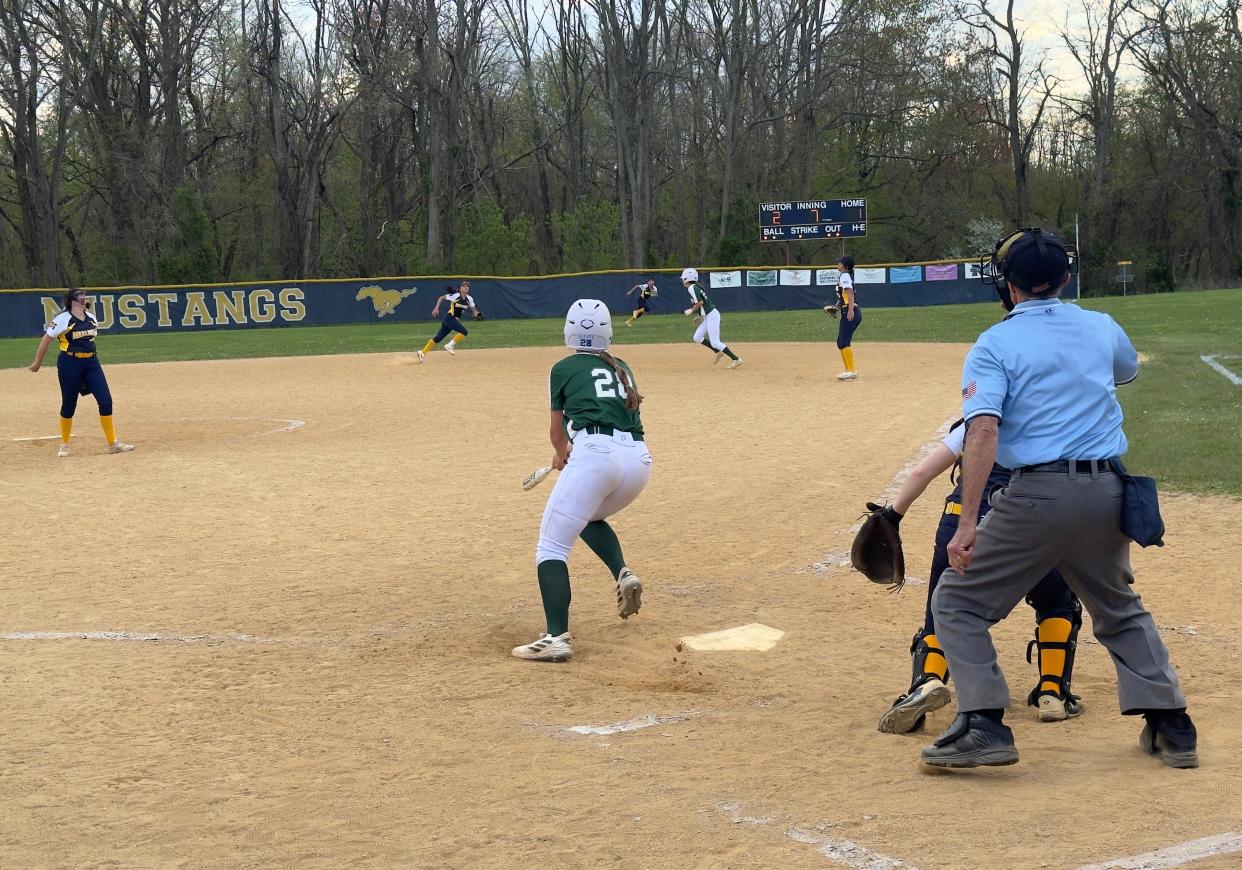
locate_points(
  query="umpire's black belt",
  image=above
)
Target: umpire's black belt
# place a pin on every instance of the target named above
(1064, 466)
(602, 430)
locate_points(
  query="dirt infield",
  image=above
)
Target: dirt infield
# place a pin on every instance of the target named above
(263, 644)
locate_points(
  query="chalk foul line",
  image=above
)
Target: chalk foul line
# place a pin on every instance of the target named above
(841, 558)
(836, 849)
(1175, 856)
(631, 724)
(154, 637)
(1211, 361)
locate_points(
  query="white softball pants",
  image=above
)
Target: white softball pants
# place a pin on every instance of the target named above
(604, 474)
(710, 327)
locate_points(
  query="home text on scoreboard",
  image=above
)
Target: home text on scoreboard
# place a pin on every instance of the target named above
(812, 219)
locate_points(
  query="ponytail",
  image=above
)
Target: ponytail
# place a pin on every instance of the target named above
(632, 397)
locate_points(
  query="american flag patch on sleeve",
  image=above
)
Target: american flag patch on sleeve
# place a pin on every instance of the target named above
(968, 391)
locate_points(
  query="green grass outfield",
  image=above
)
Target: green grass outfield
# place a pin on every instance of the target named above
(1184, 419)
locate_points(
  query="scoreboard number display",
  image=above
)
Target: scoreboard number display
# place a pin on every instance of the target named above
(812, 219)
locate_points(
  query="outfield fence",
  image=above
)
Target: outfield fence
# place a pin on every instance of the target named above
(255, 304)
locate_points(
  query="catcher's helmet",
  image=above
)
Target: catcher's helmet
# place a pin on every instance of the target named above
(588, 326)
(1027, 258)
(689, 275)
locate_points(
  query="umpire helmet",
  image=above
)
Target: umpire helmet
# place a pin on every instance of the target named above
(1027, 258)
(588, 326)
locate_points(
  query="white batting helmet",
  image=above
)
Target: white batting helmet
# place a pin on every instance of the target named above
(689, 275)
(588, 326)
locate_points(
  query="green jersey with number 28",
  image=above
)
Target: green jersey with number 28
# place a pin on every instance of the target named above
(590, 394)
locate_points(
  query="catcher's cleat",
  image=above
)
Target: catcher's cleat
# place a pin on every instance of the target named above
(909, 709)
(847, 376)
(973, 740)
(422, 357)
(63, 450)
(736, 364)
(1055, 643)
(717, 357)
(629, 594)
(546, 649)
(1054, 709)
(119, 447)
(449, 348)
(1171, 738)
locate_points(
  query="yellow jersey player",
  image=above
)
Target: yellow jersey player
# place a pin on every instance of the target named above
(458, 302)
(78, 369)
(597, 442)
(646, 292)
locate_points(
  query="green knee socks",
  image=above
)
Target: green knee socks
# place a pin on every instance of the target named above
(603, 542)
(554, 588)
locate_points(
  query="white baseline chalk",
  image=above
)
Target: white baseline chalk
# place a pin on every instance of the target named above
(152, 637)
(1175, 856)
(1211, 361)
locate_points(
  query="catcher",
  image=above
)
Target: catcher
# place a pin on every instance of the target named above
(458, 302)
(877, 552)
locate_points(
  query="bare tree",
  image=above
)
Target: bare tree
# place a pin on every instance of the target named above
(1020, 92)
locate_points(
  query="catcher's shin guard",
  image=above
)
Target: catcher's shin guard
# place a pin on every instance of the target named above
(927, 690)
(1056, 639)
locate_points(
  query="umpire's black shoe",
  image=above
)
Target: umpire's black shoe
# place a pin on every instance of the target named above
(1171, 737)
(973, 740)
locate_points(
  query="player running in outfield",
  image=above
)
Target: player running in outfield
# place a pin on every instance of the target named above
(597, 442)
(708, 331)
(1058, 613)
(645, 293)
(459, 301)
(78, 369)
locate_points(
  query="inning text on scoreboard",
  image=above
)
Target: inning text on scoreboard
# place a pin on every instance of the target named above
(812, 219)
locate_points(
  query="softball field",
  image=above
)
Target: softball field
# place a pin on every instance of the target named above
(277, 634)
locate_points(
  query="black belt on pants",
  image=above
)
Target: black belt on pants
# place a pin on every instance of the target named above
(603, 430)
(1062, 466)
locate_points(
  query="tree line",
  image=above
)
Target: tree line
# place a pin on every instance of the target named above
(177, 141)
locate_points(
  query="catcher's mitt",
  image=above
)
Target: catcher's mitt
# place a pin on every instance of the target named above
(478, 315)
(832, 311)
(877, 548)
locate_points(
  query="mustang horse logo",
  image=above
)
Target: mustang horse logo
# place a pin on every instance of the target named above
(385, 301)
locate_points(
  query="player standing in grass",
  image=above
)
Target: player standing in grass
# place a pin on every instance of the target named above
(708, 332)
(595, 418)
(459, 301)
(78, 369)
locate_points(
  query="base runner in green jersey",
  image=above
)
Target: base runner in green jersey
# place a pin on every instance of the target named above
(708, 331)
(598, 443)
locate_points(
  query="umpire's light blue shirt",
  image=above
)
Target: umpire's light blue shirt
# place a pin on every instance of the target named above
(1049, 371)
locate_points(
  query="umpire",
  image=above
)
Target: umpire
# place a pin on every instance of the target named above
(1047, 372)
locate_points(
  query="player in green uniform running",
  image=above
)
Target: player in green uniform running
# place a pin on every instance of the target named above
(597, 439)
(708, 333)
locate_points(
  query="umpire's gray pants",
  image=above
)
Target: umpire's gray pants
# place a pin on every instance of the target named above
(1046, 520)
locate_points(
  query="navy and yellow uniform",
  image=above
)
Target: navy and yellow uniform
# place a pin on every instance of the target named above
(646, 292)
(78, 370)
(458, 303)
(1058, 617)
(847, 295)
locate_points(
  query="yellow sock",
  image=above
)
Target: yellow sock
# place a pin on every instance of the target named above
(1052, 661)
(66, 429)
(109, 428)
(847, 354)
(935, 663)
(431, 343)
(457, 339)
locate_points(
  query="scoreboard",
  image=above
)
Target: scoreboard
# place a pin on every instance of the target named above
(812, 219)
